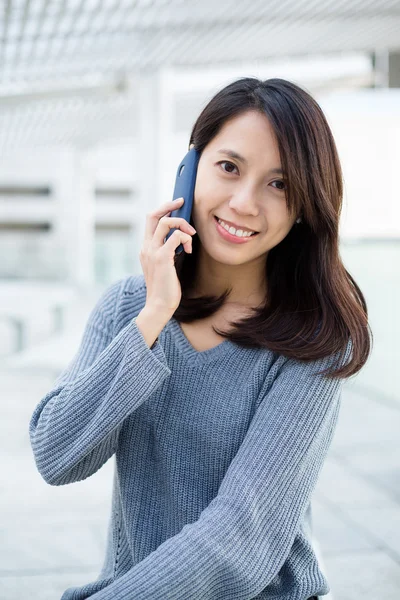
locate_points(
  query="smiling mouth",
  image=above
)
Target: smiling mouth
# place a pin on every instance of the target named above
(238, 228)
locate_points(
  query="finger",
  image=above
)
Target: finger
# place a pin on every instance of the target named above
(164, 226)
(178, 237)
(166, 223)
(153, 218)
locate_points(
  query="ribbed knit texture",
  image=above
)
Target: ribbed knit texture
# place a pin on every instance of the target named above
(217, 454)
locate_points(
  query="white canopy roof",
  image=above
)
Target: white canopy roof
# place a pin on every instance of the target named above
(75, 64)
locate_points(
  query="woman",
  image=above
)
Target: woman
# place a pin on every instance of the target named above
(215, 377)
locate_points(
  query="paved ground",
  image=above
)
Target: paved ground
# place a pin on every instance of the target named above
(53, 537)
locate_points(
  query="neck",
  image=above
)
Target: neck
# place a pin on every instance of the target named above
(247, 281)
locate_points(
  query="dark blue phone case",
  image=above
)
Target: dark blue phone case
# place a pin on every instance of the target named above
(185, 182)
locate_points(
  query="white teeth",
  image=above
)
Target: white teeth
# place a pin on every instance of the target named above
(233, 231)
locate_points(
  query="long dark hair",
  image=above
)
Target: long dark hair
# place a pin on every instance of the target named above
(314, 308)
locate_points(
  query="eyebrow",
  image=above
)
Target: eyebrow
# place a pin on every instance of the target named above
(233, 154)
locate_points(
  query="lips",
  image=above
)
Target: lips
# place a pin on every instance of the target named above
(236, 226)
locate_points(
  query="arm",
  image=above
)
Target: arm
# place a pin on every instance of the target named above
(74, 429)
(242, 538)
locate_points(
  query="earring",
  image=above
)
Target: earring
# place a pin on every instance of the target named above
(298, 220)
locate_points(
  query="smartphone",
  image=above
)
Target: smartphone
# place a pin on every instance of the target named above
(185, 182)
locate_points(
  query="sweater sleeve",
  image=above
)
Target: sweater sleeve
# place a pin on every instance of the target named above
(75, 427)
(241, 539)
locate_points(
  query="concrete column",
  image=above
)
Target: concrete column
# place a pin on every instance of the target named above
(380, 65)
(154, 138)
(386, 65)
(75, 218)
(394, 69)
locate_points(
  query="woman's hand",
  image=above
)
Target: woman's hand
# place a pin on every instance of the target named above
(158, 258)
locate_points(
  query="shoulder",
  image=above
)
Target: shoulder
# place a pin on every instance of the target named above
(131, 300)
(133, 285)
(124, 298)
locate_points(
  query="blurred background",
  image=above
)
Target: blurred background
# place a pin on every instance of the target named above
(97, 100)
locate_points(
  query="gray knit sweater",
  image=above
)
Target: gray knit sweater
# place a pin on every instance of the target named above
(217, 454)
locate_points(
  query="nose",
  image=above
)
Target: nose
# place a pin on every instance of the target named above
(244, 202)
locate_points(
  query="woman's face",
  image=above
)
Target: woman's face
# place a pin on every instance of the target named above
(249, 192)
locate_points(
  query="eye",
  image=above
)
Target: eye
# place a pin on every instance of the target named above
(227, 163)
(280, 182)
